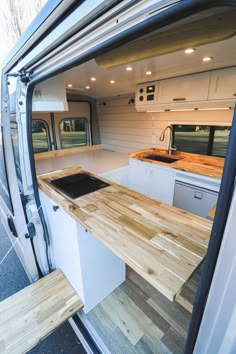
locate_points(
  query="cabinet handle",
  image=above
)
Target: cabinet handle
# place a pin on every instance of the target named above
(198, 195)
(179, 99)
(234, 94)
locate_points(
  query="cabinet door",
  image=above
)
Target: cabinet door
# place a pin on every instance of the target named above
(184, 89)
(161, 184)
(138, 176)
(223, 84)
(64, 245)
(154, 181)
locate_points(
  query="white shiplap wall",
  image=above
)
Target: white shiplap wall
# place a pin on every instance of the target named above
(125, 130)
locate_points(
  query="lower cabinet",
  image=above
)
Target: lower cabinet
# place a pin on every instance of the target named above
(92, 269)
(119, 176)
(154, 181)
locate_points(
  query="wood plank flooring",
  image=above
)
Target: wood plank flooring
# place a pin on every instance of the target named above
(136, 318)
(34, 312)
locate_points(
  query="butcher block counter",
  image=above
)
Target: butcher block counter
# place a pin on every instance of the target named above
(209, 166)
(160, 242)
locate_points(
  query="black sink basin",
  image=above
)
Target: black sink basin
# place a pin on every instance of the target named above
(160, 158)
(77, 185)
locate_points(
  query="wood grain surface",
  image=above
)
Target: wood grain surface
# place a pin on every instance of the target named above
(211, 213)
(209, 166)
(160, 242)
(34, 312)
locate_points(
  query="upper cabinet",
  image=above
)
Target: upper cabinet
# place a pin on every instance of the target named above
(50, 96)
(184, 89)
(223, 84)
(207, 90)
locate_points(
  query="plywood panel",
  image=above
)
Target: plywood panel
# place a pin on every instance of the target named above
(33, 313)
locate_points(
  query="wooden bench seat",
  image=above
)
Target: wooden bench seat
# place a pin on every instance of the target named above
(33, 313)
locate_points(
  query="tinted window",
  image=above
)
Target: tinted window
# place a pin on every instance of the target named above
(73, 132)
(201, 139)
(4, 190)
(40, 136)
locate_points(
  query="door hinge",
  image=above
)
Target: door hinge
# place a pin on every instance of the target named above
(24, 76)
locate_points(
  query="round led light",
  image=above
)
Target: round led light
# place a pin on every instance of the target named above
(189, 50)
(93, 79)
(207, 59)
(112, 81)
(69, 85)
(148, 72)
(129, 68)
(87, 87)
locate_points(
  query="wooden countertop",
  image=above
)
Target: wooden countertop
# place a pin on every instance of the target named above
(160, 242)
(203, 165)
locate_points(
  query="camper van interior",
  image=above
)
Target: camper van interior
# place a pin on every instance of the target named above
(149, 122)
(118, 152)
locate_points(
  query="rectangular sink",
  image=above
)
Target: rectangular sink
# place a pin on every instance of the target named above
(160, 158)
(77, 185)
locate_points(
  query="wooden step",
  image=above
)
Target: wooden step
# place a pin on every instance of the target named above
(33, 313)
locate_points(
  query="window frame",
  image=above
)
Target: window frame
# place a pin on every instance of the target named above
(48, 134)
(87, 124)
(211, 136)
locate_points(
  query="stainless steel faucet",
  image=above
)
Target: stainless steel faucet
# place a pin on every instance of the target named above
(162, 138)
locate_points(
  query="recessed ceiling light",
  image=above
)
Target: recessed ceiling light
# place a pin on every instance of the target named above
(206, 59)
(69, 85)
(93, 79)
(129, 68)
(112, 81)
(189, 50)
(148, 72)
(87, 87)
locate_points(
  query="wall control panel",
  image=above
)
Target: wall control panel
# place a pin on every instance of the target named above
(146, 93)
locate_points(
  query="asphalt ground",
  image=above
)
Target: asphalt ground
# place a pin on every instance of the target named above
(13, 279)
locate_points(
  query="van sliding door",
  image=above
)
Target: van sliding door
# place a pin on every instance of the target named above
(13, 217)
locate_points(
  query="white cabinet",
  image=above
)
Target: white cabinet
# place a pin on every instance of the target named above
(119, 176)
(184, 89)
(92, 269)
(223, 84)
(152, 180)
(50, 96)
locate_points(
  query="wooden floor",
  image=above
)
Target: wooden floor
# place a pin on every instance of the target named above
(30, 315)
(136, 318)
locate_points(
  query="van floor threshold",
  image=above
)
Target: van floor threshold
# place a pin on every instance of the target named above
(33, 313)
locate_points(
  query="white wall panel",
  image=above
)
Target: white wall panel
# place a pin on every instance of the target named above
(125, 130)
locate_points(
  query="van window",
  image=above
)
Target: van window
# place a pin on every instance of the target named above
(201, 139)
(4, 189)
(73, 132)
(40, 136)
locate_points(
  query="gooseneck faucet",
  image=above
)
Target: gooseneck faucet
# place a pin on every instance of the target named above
(162, 138)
